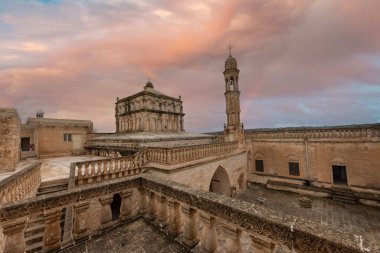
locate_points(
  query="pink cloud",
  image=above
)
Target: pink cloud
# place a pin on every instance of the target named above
(85, 54)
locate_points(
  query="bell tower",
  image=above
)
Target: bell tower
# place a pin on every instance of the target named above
(233, 130)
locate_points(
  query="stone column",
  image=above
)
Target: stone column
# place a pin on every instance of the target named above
(152, 206)
(67, 239)
(174, 218)
(232, 236)
(142, 207)
(126, 205)
(163, 212)
(190, 231)
(105, 212)
(261, 244)
(208, 242)
(14, 233)
(52, 232)
(80, 226)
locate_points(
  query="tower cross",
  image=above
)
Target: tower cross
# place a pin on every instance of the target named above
(229, 49)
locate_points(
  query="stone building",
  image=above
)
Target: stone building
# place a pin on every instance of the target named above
(44, 137)
(149, 111)
(146, 119)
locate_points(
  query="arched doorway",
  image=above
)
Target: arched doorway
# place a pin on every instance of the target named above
(220, 183)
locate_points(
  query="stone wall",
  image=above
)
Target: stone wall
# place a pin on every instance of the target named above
(10, 127)
(50, 141)
(316, 159)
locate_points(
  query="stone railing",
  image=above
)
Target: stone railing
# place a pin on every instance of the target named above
(20, 185)
(314, 133)
(170, 156)
(191, 216)
(103, 169)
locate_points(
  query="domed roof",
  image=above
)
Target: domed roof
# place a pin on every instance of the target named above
(149, 84)
(230, 63)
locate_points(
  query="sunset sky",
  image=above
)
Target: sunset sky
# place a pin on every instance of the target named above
(302, 63)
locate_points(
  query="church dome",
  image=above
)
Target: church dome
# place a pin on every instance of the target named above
(230, 63)
(149, 84)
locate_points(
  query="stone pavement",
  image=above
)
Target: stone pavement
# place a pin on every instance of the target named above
(358, 220)
(135, 237)
(55, 168)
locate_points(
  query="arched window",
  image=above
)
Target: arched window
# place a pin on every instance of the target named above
(231, 84)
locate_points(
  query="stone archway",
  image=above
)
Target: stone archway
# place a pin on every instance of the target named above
(220, 182)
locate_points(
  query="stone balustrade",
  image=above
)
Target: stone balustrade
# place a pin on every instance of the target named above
(20, 185)
(199, 219)
(315, 133)
(170, 156)
(99, 170)
(103, 169)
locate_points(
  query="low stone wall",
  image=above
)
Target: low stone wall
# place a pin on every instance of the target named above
(196, 218)
(10, 132)
(21, 185)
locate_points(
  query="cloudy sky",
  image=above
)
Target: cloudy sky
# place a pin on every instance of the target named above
(302, 62)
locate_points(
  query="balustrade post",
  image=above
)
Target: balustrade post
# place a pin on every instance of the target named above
(152, 206)
(126, 205)
(52, 232)
(163, 212)
(80, 226)
(142, 207)
(15, 239)
(232, 236)
(261, 244)
(105, 212)
(190, 231)
(174, 218)
(209, 242)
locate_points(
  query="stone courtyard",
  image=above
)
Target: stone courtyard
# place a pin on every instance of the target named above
(358, 220)
(135, 237)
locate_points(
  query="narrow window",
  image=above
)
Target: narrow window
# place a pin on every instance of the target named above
(67, 137)
(259, 165)
(294, 168)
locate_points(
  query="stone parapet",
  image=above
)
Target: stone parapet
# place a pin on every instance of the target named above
(356, 132)
(23, 184)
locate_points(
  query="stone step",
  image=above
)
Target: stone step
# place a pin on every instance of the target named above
(31, 230)
(34, 238)
(53, 186)
(345, 199)
(34, 248)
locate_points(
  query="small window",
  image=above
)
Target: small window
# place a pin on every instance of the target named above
(294, 168)
(67, 137)
(259, 165)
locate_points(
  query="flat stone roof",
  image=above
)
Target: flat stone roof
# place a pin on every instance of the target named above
(53, 168)
(57, 122)
(360, 221)
(152, 136)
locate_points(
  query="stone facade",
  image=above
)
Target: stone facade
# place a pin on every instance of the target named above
(353, 148)
(10, 127)
(149, 111)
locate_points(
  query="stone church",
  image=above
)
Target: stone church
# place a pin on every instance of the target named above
(193, 192)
